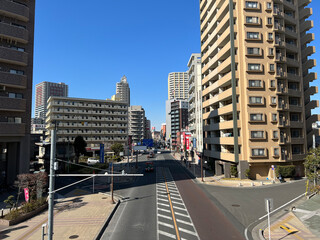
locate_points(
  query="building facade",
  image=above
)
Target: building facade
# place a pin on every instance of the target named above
(16, 69)
(123, 90)
(97, 121)
(147, 129)
(44, 90)
(136, 123)
(195, 101)
(176, 119)
(256, 84)
(178, 85)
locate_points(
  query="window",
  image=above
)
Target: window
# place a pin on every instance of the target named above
(271, 67)
(253, 51)
(295, 117)
(293, 86)
(256, 117)
(296, 149)
(275, 134)
(270, 36)
(255, 100)
(257, 134)
(15, 95)
(269, 5)
(295, 133)
(18, 72)
(258, 152)
(250, 4)
(255, 83)
(270, 52)
(276, 152)
(269, 21)
(294, 101)
(273, 100)
(253, 35)
(274, 117)
(254, 67)
(272, 83)
(254, 20)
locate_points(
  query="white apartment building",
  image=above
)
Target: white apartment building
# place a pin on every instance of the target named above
(136, 123)
(178, 86)
(123, 90)
(97, 121)
(195, 100)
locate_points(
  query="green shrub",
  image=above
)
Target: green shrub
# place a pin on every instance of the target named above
(234, 171)
(12, 215)
(287, 171)
(247, 173)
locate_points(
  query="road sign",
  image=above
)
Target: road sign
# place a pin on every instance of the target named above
(268, 204)
(101, 153)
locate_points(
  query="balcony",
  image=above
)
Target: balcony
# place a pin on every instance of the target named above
(312, 105)
(305, 13)
(308, 51)
(12, 104)
(13, 80)
(292, 47)
(293, 77)
(12, 129)
(306, 26)
(309, 64)
(303, 3)
(307, 38)
(11, 56)
(12, 32)
(14, 10)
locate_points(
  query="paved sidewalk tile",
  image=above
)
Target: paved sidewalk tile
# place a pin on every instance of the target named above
(77, 216)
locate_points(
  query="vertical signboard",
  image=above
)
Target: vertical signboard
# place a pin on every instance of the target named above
(187, 143)
(26, 194)
(194, 143)
(101, 153)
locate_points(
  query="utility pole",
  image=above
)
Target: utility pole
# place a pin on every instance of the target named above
(51, 183)
(201, 160)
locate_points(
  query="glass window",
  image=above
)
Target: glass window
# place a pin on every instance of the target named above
(295, 117)
(254, 66)
(255, 100)
(275, 134)
(258, 152)
(269, 5)
(269, 20)
(10, 119)
(252, 20)
(276, 151)
(253, 51)
(253, 35)
(273, 100)
(12, 95)
(17, 120)
(270, 36)
(250, 4)
(294, 101)
(271, 51)
(256, 117)
(271, 66)
(254, 83)
(257, 134)
(274, 117)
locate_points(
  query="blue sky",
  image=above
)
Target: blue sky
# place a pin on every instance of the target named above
(91, 45)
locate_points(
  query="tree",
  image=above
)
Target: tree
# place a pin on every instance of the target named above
(79, 145)
(312, 164)
(117, 148)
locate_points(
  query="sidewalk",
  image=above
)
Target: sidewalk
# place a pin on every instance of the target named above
(210, 178)
(80, 215)
(302, 223)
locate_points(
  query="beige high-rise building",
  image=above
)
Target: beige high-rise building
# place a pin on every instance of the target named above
(97, 121)
(136, 123)
(178, 85)
(256, 97)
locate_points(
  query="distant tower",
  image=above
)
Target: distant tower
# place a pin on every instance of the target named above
(123, 90)
(178, 85)
(44, 90)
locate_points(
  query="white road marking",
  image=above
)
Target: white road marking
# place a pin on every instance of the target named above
(184, 222)
(187, 231)
(167, 234)
(164, 216)
(184, 209)
(182, 214)
(164, 210)
(162, 204)
(166, 224)
(163, 199)
(177, 203)
(175, 198)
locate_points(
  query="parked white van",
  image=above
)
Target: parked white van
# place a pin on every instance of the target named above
(92, 161)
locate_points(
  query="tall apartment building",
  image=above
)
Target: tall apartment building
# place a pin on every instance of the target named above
(178, 86)
(97, 121)
(136, 123)
(44, 90)
(147, 128)
(16, 69)
(176, 119)
(123, 90)
(256, 97)
(195, 100)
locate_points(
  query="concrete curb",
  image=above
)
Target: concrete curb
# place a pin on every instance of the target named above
(106, 223)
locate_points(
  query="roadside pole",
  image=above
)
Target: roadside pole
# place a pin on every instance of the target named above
(112, 201)
(268, 207)
(51, 184)
(201, 160)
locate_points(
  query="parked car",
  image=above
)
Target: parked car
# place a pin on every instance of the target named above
(92, 161)
(149, 167)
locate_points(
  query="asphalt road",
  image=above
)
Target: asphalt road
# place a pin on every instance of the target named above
(192, 214)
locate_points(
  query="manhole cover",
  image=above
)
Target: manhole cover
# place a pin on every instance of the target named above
(73, 236)
(235, 205)
(104, 198)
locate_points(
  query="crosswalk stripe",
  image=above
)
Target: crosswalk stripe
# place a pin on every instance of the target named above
(187, 231)
(167, 234)
(182, 214)
(164, 216)
(179, 208)
(162, 204)
(184, 222)
(165, 224)
(164, 210)
(163, 199)
(178, 203)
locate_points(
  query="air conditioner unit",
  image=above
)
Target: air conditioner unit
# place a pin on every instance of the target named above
(2, 88)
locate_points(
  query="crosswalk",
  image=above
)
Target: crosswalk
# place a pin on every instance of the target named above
(173, 219)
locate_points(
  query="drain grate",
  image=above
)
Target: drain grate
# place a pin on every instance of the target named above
(235, 205)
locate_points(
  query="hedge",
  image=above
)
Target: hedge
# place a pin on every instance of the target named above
(287, 171)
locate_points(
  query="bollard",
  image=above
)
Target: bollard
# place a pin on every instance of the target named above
(252, 184)
(240, 185)
(2, 213)
(43, 231)
(261, 183)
